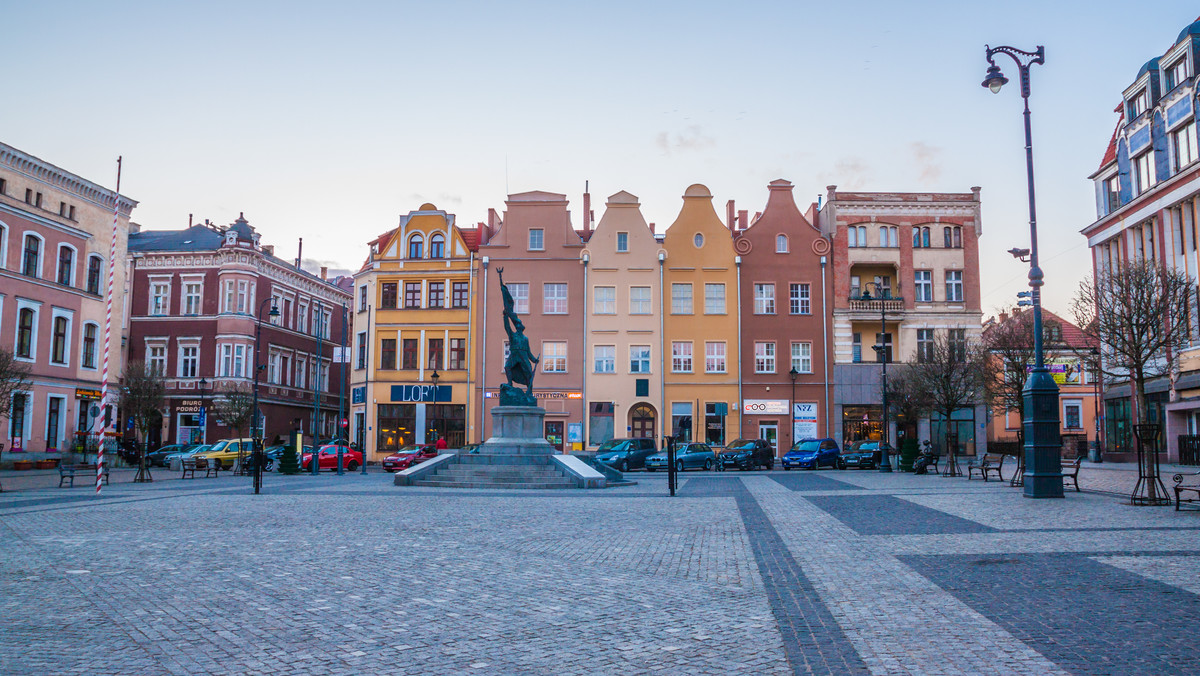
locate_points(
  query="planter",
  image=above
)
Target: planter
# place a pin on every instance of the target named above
(22, 465)
(45, 464)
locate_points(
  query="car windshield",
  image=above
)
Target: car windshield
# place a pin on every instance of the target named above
(808, 446)
(614, 445)
(693, 448)
(741, 445)
(867, 446)
(219, 446)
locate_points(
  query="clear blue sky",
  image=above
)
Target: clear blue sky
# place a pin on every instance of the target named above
(328, 120)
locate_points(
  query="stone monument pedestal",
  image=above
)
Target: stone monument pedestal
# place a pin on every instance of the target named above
(517, 430)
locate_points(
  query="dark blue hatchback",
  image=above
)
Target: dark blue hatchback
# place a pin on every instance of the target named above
(812, 454)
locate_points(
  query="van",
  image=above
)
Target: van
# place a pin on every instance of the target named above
(626, 454)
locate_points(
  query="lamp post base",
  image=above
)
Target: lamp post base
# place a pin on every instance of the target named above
(1043, 446)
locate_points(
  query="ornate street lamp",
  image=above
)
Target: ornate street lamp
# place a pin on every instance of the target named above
(1043, 462)
(882, 349)
(434, 378)
(255, 427)
(793, 374)
(203, 410)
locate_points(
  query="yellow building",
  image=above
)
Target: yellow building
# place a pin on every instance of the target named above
(411, 379)
(700, 332)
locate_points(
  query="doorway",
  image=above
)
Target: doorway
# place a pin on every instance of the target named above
(769, 430)
(554, 434)
(641, 421)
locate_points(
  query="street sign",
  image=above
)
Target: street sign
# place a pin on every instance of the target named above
(345, 422)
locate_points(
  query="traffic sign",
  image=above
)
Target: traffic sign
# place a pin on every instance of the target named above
(345, 422)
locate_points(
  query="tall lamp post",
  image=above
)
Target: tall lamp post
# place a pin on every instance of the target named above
(1043, 462)
(255, 426)
(203, 410)
(1095, 352)
(434, 377)
(884, 351)
(793, 374)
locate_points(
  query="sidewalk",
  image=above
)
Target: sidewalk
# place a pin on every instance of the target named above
(35, 479)
(1119, 478)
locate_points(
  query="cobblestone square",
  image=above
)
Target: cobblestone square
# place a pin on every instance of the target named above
(741, 573)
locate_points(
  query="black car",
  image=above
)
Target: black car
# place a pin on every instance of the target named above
(626, 454)
(747, 454)
(861, 454)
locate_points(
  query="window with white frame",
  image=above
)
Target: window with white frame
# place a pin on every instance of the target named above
(1176, 73)
(639, 359)
(1183, 145)
(924, 346)
(230, 299)
(537, 239)
(888, 236)
(856, 236)
(554, 356)
(437, 246)
(87, 357)
(66, 265)
(301, 380)
(225, 360)
(954, 286)
(273, 368)
(191, 298)
(361, 343)
(1138, 104)
(31, 256)
(554, 298)
(681, 356)
(520, 296)
(160, 298)
(799, 299)
(189, 360)
(302, 317)
(920, 237)
(714, 298)
(240, 361)
(856, 348)
(60, 337)
(245, 297)
(1143, 172)
(622, 242)
(714, 356)
(604, 300)
(923, 286)
(802, 356)
(362, 298)
(94, 272)
(1073, 414)
(639, 300)
(326, 323)
(764, 299)
(764, 357)
(156, 358)
(604, 358)
(781, 244)
(681, 299)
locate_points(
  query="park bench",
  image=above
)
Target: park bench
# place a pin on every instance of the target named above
(1181, 488)
(190, 465)
(67, 473)
(990, 462)
(1071, 473)
(924, 461)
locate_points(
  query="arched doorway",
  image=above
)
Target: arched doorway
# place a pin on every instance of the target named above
(641, 421)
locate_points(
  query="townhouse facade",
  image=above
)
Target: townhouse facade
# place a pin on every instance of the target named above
(196, 300)
(56, 232)
(412, 372)
(1147, 188)
(905, 266)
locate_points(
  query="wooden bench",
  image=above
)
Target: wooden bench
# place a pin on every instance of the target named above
(990, 462)
(190, 465)
(1071, 473)
(924, 461)
(1181, 487)
(68, 472)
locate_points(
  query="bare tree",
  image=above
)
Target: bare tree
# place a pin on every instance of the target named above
(14, 377)
(143, 397)
(909, 402)
(954, 376)
(1010, 343)
(1138, 314)
(234, 407)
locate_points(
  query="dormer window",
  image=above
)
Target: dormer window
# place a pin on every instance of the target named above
(416, 246)
(1138, 104)
(437, 246)
(537, 239)
(781, 244)
(1177, 73)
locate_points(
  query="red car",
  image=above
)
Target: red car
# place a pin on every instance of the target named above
(327, 458)
(407, 456)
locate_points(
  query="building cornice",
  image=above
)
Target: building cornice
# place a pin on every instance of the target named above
(43, 172)
(47, 222)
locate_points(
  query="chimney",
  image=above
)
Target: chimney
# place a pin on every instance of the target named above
(324, 273)
(299, 250)
(587, 208)
(493, 224)
(743, 216)
(269, 249)
(730, 215)
(189, 220)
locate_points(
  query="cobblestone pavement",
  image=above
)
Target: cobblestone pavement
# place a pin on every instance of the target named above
(743, 572)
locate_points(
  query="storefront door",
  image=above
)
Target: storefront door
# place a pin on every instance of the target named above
(641, 422)
(554, 434)
(769, 430)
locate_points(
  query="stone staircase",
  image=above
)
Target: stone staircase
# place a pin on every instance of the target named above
(498, 470)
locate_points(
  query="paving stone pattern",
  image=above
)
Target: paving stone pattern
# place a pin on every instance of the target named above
(742, 573)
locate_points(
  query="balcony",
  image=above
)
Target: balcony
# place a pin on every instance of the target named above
(890, 305)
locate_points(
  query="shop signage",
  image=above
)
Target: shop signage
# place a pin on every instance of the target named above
(804, 421)
(86, 393)
(189, 406)
(765, 406)
(538, 394)
(358, 395)
(575, 432)
(421, 393)
(1064, 370)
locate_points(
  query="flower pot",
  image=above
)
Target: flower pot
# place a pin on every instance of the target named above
(45, 464)
(22, 465)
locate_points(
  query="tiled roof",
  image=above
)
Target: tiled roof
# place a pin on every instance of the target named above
(195, 238)
(1110, 155)
(470, 238)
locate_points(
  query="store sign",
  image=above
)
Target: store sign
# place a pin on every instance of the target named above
(86, 393)
(765, 407)
(804, 421)
(537, 394)
(575, 432)
(1064, 370)
(421, 393)
(358, 395)
(189, 406)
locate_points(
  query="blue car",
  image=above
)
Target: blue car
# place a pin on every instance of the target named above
(812, 454)
(687, 456)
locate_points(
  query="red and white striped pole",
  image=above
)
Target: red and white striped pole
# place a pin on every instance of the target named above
(108, 303)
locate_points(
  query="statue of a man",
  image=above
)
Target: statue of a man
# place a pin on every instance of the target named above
(520, 365)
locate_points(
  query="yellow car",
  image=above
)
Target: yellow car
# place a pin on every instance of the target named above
(226, 452)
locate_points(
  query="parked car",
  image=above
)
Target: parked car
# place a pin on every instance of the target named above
(174, 461)
(747, 454)
(626, 454)
(159, 458)
(688, 455)
(327, 458)
(469, 448)
(861, 454)
(227, 451)
(273, 455)
(407, 456)
(812, 454)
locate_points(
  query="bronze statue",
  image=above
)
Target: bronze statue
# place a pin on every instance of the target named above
(521, 365)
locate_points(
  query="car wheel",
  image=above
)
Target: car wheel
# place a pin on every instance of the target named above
(352, 466)
(623, 467)
(708, 464)
(771, 465)
(269, 465)
(678, 465)
(841, 465)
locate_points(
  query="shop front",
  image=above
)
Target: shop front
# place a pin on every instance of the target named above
(420, 414)
(764, 417)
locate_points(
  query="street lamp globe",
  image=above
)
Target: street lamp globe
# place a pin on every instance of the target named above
(994, 79)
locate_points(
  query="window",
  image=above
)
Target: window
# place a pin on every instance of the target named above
(54, 419)
(681, 357)
(408, 353)
(88, 356)
(883, 347)
(856, 348)
(361, 340)
(58, 346)
(437, 294)
(714, 357)
(799, 302)
(1112, 193)
(412, 295)
(520, 295)
(460, 294)
(93, 275)
(302, 317)
(387, 354)
(698, 240)
(1183, 145)
(856, 236)
(285, 369)
(226, 361)
(1073, 414)
(681, 299)
(887, 236)
(622, 242)
(952, 237)
(388, 295)
(66, 266)
(954, 286)
(639, 359)
(604, 300)
(189, 359)
(924, 346)
(437, 246)
(714, 298)
(639, 300)
(1138, 104)
(31, 262)
(191, 298)
(957, 343)
(362, 298)
(764, 357)
(301, 376)
(437, 348)
(920, 238)
(244, 301)
(1176, 73)
(764, 299)
(781, 244)
(17, 417)
(923, 286)
(681, 420)
(160, 296)
(537, 239)
(416, 245)
(1143, 172)
(554, 298)
(554, 357)
(604, 358)
(156, 359)
(458, 354)
(802, 357)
